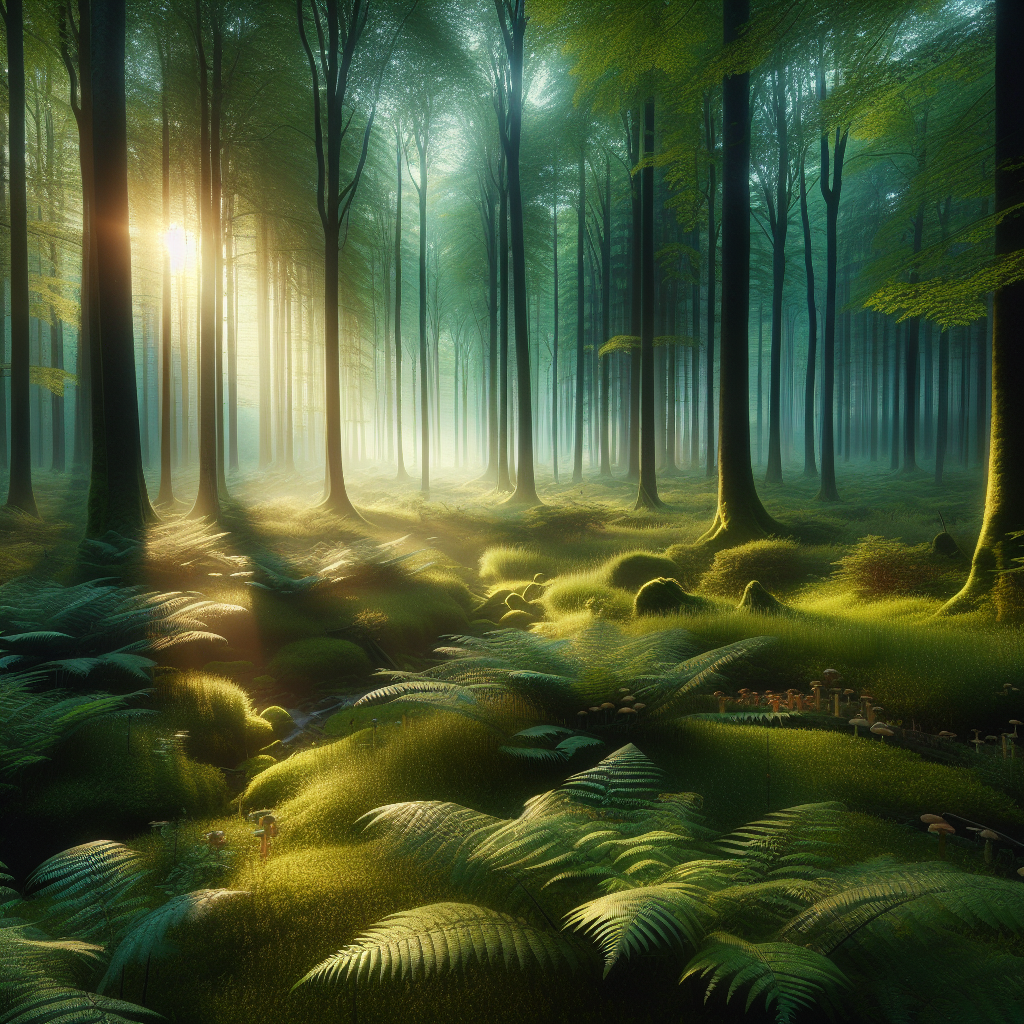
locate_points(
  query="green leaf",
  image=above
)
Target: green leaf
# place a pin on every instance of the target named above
(792, 977)
(441, 938)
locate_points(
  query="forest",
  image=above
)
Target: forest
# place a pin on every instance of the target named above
(623, 393)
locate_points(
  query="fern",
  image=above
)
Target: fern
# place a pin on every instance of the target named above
(792, 977)
(57, 1004)
(443, 938)
(643, 919)
(147, 935)
(88, 888)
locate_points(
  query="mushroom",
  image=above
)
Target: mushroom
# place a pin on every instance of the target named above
(606, 707)
(857, 723)
(581, 715)
(1020, 871)
(1015, 722)
(872, 712)
(830, 675)
(933, 819)
(630, 715)
(816, 687)
(639, 707)
(882, 731)
(943, 829)
(721, 701)
(947, 735)
(977, 741)
(835, 691)
(628, 699)
(990, 837)
(623, 689)
(774, 699)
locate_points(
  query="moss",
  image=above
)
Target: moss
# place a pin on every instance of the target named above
(632, 570)
(320, 660)
(280, 721)
(665, 597)
(692, 561)
(514, 563)
(275, 750)
(216, 713)
(879, 567)
(254, 765)
(280, 619)
(517, 619)
(97, 785)
(414, 618)
(780, 565)
(568, 595)
(757, 599)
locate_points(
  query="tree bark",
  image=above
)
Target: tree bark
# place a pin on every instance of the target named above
(1001, 543)
(126, 507)
(581, 235)
(19, 494)
(810, 466)
(709, 377)
(554, 327)
(647, 492)
(504, 483)
(740, 517)
(165, 495)
(402, 475)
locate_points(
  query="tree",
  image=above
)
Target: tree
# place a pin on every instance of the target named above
(1000, 547)
(402, 475)
(19, 493)
(740, 517)
(512, 20)
(117, 498)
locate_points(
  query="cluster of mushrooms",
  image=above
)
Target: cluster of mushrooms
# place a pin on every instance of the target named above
(1008, 740)
(942, 828)
(825, 694)
(623, 710)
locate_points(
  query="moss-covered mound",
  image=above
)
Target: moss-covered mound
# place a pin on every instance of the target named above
(757, 599)
(781, 565)
(666, 597)
(320, 661)
(631, 571)
(878, 567)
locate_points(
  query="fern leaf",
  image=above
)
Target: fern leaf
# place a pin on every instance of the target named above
(649, 917)
(54, 1004)
(792, 977)
(147, 936)
(441, 938)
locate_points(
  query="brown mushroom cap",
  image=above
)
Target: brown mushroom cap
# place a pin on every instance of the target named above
(941, 827)
(858, 721)
(639, 707)
(582, 714)
(947, 734)
(883, 731)
(607, 705)
(933, 819)
(595, 709)
(991, 739)
(626, 711)
(1020, 871)
(628, 699)
(987, 833)
(1014, 721)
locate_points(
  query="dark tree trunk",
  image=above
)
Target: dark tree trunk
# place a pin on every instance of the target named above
(910, 369)
(740, 517)
(216, 226)
(695, 355)
(421, 188)
(231, 319)
(125, 504)
(635, 297)
(165, 495)
(504, 479)
(1001, 543)
(554, 329)
(263, 343)
(709, 377)
(894, 459)
(581, 235)
(810, 467)
(942, 419)
(831, 195)
(647, 492)
(3, 301)
(606, 312)
(19, 494)
(399, 443)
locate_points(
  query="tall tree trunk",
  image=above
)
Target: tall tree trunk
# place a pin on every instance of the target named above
(810, 467)
(647, 492)
(19, 494)
(695, 354)
(942, 420)
(554, 329)
(504, 479)
(263, 341)
(709, 377)
(633, 140)
(207, 503)
(126, 507)
(740, 517)
(421, 144)
(165, 495)
(3, 307)
(216, 226)
(831, 195)
(231, 325)
(402, 474)
(910, 370)
(606, 311)
(1001, 544)
(581, 235)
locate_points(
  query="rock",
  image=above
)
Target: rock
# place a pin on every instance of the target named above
(275, 750)
(943, 544)
(517, 620)
(257, 764)
(514, 602)
(533, 592)
(541, 578)
(280, 719)
(665, 597)
(757, 599)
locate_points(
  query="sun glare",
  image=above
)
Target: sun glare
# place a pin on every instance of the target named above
(174, 241)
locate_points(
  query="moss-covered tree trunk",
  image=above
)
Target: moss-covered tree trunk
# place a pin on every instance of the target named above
(1001, 543)
(740, 517)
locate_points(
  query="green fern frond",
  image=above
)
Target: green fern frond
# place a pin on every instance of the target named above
(441, 938)
(56, 1004)
(650, 917)
(792, 977)
(789, 841)
(931, 897)
(146, 938)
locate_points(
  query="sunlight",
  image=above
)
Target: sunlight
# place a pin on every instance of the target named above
(176, 244)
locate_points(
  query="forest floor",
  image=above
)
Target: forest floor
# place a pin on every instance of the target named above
(335, 601)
